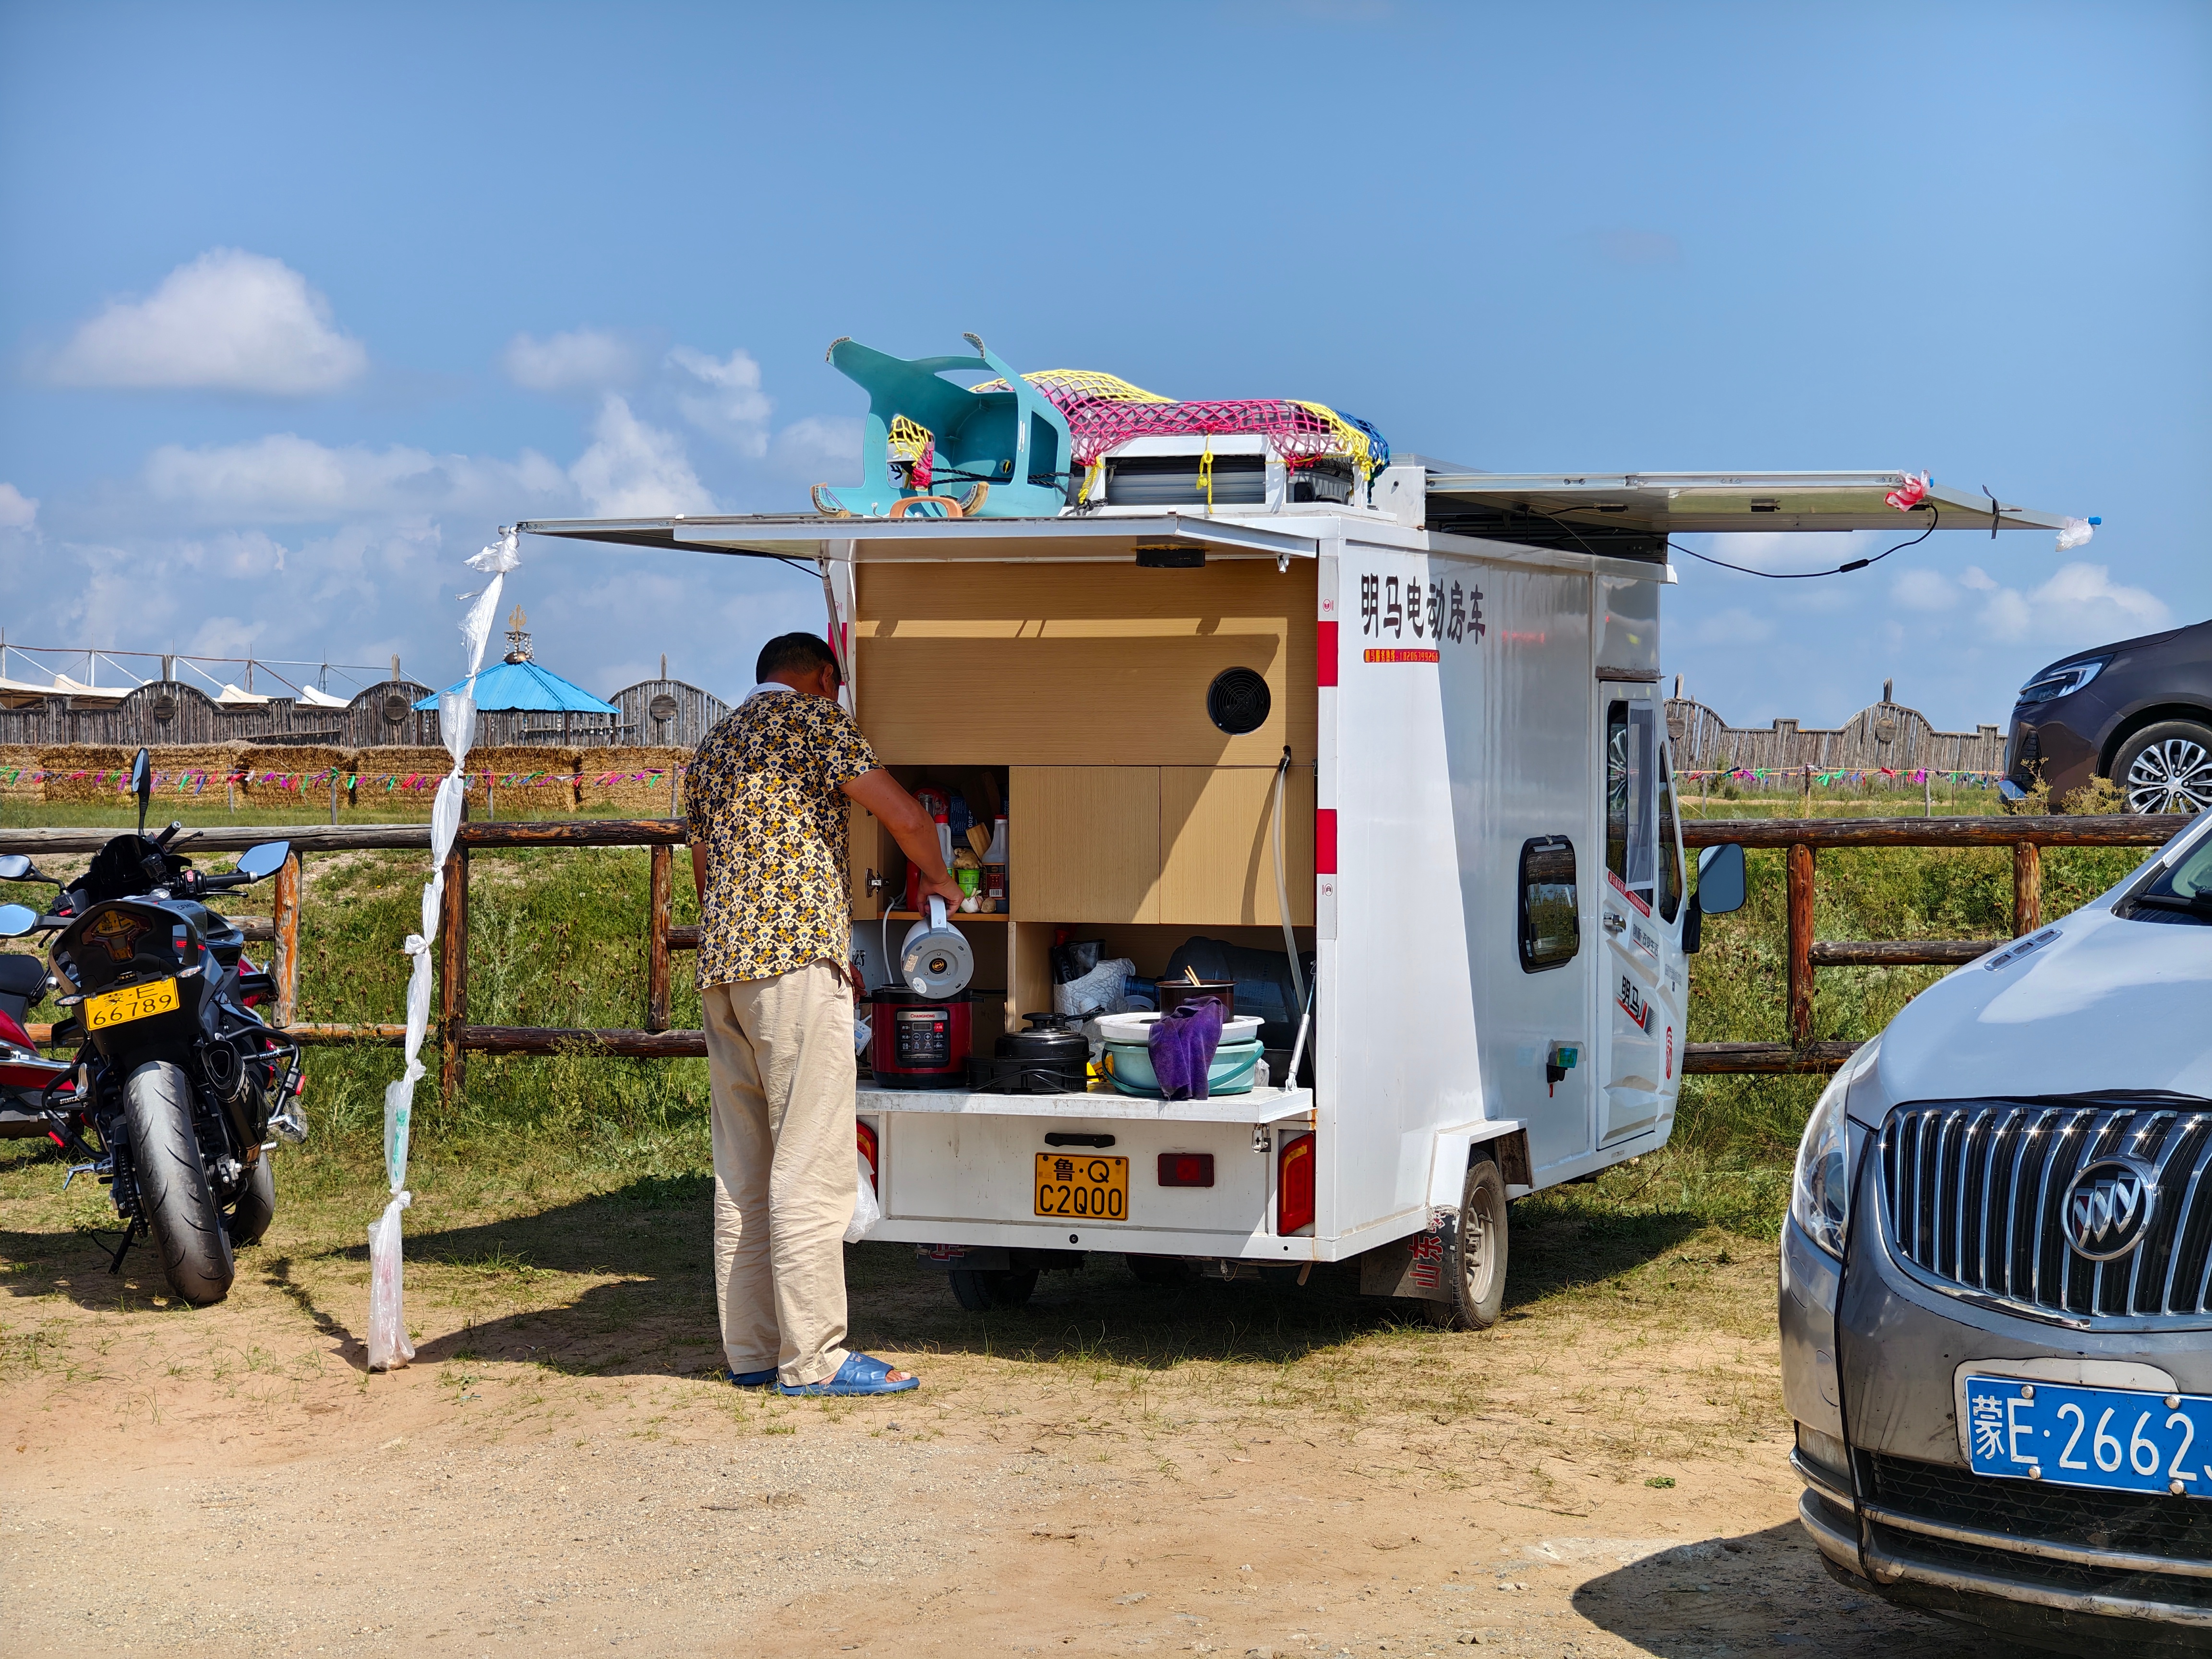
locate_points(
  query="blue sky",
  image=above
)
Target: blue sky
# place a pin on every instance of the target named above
(298, 303)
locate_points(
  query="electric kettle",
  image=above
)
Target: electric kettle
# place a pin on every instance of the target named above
(935, 961)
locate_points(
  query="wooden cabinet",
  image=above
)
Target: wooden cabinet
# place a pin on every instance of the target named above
(1216, 845)
(869, 848)
(1084, 843)
(1185, 845)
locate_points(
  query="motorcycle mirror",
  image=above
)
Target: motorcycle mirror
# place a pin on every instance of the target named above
(1721, 880)
(141, 784)
(267, 859)
(17, 919)
(16, 866)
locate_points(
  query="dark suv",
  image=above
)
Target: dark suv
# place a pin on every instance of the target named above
(2139, 712)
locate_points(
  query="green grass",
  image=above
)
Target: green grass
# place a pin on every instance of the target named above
(556, 939)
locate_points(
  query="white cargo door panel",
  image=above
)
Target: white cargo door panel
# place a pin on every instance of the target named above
(1400, 1011)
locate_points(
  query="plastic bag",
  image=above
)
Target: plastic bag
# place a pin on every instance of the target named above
(388, 1346)
(1098, 991)
(2075, 533)
(865, 1211)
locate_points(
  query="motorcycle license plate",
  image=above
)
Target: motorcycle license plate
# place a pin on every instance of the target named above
(131, 1002)
(1087, 1189)
(2112, 1439)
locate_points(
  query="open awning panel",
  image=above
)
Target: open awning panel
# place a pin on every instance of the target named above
(1631, 513)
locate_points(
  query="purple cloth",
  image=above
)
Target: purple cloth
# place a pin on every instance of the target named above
(1183, 1042)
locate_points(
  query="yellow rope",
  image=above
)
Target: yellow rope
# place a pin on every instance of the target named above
(1350, 437)
(909, 440)
(1206, 471)
(1085, 382)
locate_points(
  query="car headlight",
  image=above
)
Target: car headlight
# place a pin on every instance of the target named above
(2062, 682)
(1820, 1194)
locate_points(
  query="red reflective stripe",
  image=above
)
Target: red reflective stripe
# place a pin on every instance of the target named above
(1325, 841)
(1325, 653)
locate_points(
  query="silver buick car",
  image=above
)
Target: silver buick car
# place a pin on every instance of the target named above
(1996, 1284)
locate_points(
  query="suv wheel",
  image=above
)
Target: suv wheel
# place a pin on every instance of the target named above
(2167, 768)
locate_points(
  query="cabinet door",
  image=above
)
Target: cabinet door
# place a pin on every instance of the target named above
(869, 848)
(1217, 850)
(1084, 843)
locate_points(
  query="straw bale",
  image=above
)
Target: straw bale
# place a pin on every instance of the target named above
(645, 798)
(274, 773)
(511, 764)
(85, 773)
(395, 775)
(196, 770)
(19, 771)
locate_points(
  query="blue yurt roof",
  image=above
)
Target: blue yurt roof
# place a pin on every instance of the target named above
(525, 685)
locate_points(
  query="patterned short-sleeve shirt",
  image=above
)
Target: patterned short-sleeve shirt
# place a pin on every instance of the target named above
(764, 798)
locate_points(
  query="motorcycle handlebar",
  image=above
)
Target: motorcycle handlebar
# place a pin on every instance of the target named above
(168, 835)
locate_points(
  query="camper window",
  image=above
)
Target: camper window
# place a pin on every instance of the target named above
(1631, 756)
(1551, 927)
(1670, 842)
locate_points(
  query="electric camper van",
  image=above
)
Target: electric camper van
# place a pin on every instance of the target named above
(1445, 783)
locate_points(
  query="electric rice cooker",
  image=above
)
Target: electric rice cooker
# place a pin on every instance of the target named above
(919, 1042)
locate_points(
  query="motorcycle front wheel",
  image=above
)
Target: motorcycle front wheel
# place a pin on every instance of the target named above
(179, 1207)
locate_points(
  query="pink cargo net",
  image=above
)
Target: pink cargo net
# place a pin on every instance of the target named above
(1103, 412)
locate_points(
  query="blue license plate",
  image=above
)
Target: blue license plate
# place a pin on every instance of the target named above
(2114, 1439)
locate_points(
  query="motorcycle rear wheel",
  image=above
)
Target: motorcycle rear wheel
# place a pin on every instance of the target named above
(181, 1213)
(257, 1204)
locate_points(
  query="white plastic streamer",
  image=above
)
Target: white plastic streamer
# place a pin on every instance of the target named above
(388, 1345)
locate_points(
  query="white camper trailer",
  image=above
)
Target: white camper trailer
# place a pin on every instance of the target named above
(1474, 838)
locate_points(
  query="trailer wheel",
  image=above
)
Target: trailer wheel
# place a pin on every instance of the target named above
(1477, 1257)
(980, 1292)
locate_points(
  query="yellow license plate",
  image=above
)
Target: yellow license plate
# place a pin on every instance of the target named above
(1085, 1189)
(132, 1002)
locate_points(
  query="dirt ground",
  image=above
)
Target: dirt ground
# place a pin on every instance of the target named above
(1238, 1468)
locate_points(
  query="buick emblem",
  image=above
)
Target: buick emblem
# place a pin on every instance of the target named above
(2108, 1209)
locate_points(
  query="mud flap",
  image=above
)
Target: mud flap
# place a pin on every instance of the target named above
(1416, 1267)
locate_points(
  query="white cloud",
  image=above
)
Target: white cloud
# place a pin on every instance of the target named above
(724, 397)
(1923, 590)
(1735, 626)
(585, 360)
(229, 322)
(286, 478)
(2080, 605)
(1977, 578)
(17, 510)
(633, 471)
(819, 449)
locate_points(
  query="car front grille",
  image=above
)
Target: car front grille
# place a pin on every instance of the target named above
(2155, 1551)
(1973, 1195)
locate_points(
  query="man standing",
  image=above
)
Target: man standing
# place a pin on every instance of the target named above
(764, 807)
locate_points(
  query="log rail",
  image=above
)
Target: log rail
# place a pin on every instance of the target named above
(1802, 839)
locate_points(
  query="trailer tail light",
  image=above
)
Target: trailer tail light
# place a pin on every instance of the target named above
(1294, 1184)
(868, 1139)
(1186, 1169)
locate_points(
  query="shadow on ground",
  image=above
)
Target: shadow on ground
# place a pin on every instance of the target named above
(1762, 1589)
(652, 1238)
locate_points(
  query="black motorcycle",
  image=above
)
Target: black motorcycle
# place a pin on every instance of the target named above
(178, 1087)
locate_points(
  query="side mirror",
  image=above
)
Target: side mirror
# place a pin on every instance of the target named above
(267, 859)
(16, 866)
(141, 784)
(17, 919)
(1720, 879)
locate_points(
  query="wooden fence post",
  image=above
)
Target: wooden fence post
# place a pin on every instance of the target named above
(656, 938)
(1799, 898)
(285, 926)
(453, 970)
(2026, 887)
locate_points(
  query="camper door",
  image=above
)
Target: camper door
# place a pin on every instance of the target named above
(1641, 981)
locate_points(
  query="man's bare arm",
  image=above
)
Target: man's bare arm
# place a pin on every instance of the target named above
(911, 827)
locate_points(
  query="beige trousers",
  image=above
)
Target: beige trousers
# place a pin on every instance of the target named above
(780, 1060)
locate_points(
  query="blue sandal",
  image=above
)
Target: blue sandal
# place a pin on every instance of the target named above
(860, 1374)
(749, 1379)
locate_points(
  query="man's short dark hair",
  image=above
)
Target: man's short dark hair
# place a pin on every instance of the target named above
(805, 652)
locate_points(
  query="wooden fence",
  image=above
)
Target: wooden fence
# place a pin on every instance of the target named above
(1802, 839)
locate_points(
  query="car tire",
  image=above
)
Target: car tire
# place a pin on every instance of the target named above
(2166, 768)
(1475, 1258)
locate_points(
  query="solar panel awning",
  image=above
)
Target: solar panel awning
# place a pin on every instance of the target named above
(1680, 503)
